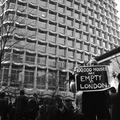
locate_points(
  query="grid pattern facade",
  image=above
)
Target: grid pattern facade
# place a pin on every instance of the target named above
(54, 35)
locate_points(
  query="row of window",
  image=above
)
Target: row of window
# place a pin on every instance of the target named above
(81, 35)
(76, 4)
(66, 11)
(44, 59)
(29, 78)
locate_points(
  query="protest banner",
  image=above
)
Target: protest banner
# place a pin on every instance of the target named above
(92, 78)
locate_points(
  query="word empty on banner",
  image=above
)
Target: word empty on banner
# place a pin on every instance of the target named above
(92, 78)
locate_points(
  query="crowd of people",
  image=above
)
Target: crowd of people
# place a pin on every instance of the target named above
(35, 108)
(100, 105)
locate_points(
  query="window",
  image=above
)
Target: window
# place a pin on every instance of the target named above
(30, 59)
(52, 38)
(42, 23)
(84, 27)
(41, 35)
(86, 57)
(29, 79)
(62, 80)
(69, 3)
(69, 12)
(52, 76)
(79, 55)
(98, 32)
(101, 18)
(42, 47)
(110, 46)
(77, 15)
(21, 20)
(62, 52)
(70, 53)
(91, 30)
(62, 63)
(104, 44)
(99, 51)
(109, 37)
(21, 8)
(70, 42)
(7, 55)
(52, 26)
(14, 76)
(69, 32)
(99, 41)
(12, 5)
(83, 9)
(77, 24)
(52, 62)
(52, 49)
(78, 34)
(93, 49)
(30, 45)
(42, 13)
(43, 3)
(5, 75)
(61, 40)
(41, 60)
(41, 79)
(52, 5)
(31, 33)
(96, 15)
(79, 45)
(62, 1)
(97, 23)
(71, 65)
(52, 15)
(91, 21)
(89, 3)
(84, 18)
(86, 47)
(17, 57)
(85, 37)
(61, 9)
(61, 19)
(92, 39)
(90, 12)
(76, 6)
(69, 22)
(61, 29)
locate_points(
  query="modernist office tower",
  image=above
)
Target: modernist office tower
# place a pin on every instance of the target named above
(53, 36)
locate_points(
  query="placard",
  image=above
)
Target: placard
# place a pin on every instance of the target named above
(92, 78)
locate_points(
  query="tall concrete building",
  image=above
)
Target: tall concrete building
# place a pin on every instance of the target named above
(55, 35)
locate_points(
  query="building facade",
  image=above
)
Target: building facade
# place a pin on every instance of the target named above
(56, 35)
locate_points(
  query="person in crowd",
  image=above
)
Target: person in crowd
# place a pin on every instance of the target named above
(21, 106)
(33, 107)
(115, 101)
(95, 104)
(3, 106)
(11, 109)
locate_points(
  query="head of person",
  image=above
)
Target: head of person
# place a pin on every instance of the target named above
(112, 90)
(22, 92)
(2, 94)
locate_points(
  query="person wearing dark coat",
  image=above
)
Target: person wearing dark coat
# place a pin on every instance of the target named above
(115, 101)
(3, 106)
(33, 107)
(21, 106)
